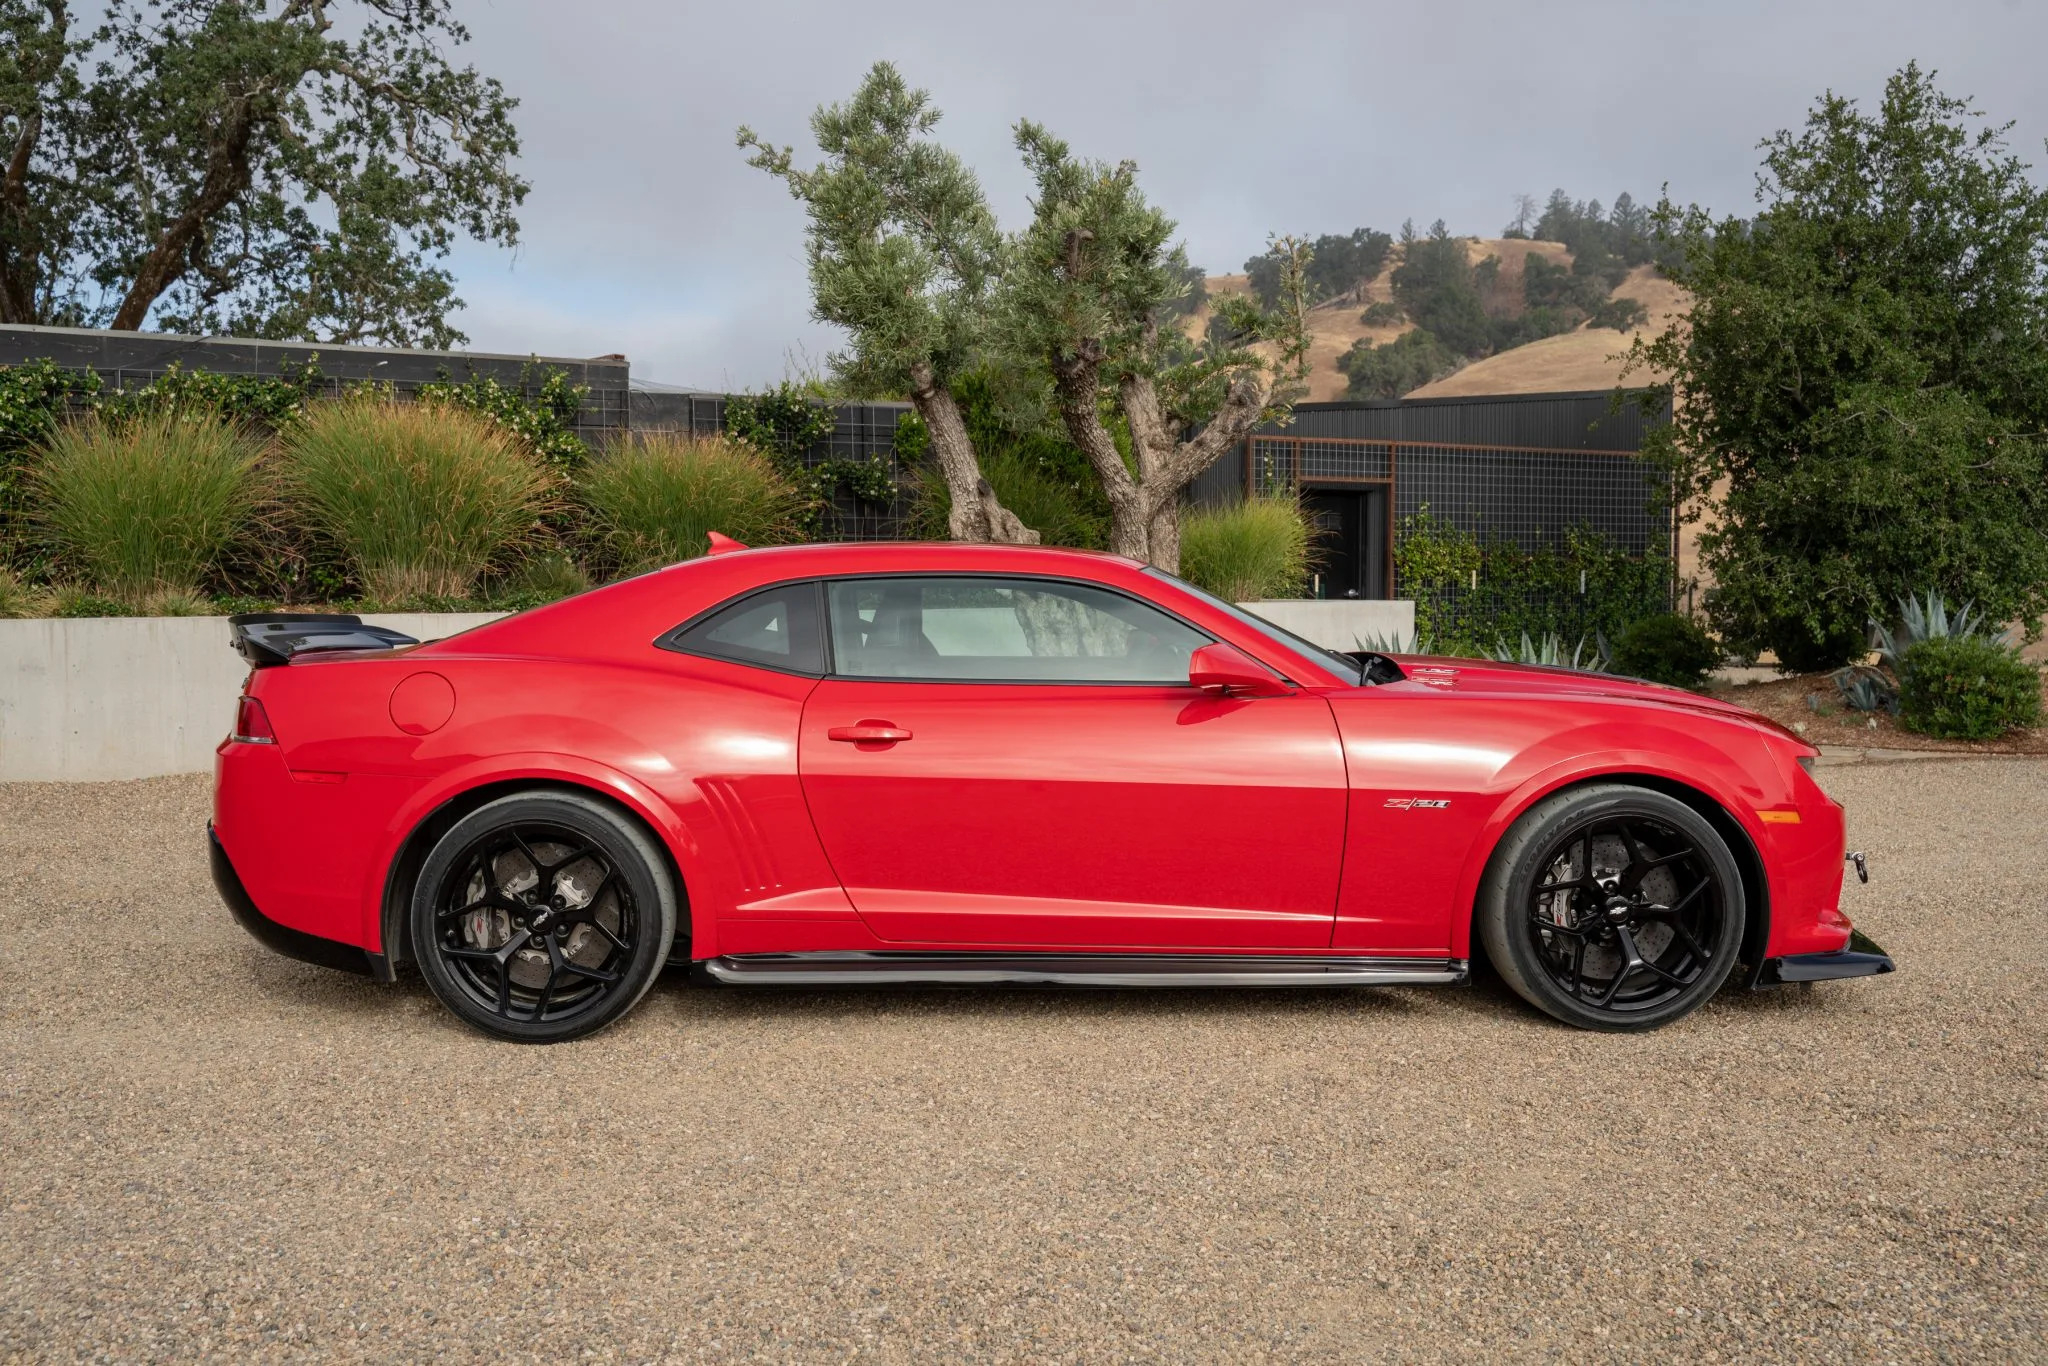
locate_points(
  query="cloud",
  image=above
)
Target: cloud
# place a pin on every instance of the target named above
(647, 233)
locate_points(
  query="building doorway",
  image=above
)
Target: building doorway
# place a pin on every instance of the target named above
(1351, 530)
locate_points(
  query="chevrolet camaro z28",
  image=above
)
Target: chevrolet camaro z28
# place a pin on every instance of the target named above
(974, 764)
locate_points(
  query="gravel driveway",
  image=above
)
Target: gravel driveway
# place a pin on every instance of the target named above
(209, 1151)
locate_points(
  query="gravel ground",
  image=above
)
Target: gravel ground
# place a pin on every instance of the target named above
(207, 1151)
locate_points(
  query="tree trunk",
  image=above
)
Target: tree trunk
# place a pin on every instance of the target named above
(227, 177)
(1165, 535)
(976, 514)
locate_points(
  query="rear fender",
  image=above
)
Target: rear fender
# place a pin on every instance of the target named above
(385, 910)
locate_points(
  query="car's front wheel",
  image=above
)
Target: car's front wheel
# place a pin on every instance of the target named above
(543, 917)
(1613, 907)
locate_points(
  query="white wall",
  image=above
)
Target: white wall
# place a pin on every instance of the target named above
(89, 699)
(1340, 623)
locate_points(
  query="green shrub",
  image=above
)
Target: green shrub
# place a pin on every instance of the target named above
(143, 508)
(540, 411)
(1391, 369)
(652, 500)
(420, 498)
(1667, 648)
(1381, 313)
(547, 577)
(1967, 688)
(1259, 548)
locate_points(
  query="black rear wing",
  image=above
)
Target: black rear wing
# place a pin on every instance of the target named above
(267, 638)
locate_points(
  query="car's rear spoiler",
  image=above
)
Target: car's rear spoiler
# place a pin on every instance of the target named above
(267, 638)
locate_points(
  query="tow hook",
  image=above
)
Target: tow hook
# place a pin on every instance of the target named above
(1862, 864)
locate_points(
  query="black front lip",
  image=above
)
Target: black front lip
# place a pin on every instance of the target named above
(1862, 958)
(307, 948)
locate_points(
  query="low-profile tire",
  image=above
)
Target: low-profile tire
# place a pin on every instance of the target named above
(543, 916)
(1612, 907)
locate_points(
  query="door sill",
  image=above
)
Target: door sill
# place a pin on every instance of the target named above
(1080, 970)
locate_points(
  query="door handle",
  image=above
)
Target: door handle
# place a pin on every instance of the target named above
(868, 732)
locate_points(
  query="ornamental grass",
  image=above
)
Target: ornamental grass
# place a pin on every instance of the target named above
(1259, 548)
(141, 509)
(654, 499)
(421, 498)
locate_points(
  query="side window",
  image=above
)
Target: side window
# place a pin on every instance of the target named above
(777, 628)
(992, 630)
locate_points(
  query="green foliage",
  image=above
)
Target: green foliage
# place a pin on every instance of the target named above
(1548, 651)
(1256, 549)
(1393, 368)
(1469, 594)
(421, 498)
(1194, 286)
(1340, 267)
(1435, 285)
(1621, 314)
(1967, 688)
(783, 422)
(1667, 648)
(902, 246)
(33, 398)
(542, 415)
(654, 500)
(1865, 377)
(143, 508)
(1604, 245)
(543, 578)
(1381, 313)
(213, 167)
(1927, 618)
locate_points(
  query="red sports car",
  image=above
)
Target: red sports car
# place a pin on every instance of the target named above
(972, 764)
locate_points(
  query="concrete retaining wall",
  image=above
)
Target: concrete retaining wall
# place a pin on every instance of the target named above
(1340, 623)
(90, 699)
(94, 699)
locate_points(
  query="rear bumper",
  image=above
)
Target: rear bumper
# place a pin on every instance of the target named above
(1862, 958)
(307, 948)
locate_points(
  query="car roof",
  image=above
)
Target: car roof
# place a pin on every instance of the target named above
(872, 555)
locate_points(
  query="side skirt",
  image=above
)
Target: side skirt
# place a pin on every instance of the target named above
(1080, 970)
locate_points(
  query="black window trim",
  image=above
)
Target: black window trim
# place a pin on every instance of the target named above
(670, 640)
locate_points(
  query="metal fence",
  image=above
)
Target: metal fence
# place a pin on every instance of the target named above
(129, 360)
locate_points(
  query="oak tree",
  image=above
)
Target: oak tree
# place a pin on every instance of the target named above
(290, 170)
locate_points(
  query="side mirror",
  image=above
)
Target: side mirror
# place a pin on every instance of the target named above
(1230, 672)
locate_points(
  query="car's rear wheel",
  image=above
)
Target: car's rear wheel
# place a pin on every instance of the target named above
(1613, 907)
(543, 917)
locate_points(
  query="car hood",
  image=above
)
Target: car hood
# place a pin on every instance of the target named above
(1481, 677)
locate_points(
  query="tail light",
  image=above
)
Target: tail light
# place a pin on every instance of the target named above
(252, 725)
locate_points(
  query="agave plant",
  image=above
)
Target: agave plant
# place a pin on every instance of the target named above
(1927, 618)
(1590, 657)
(1865, 689)
(1409, 642)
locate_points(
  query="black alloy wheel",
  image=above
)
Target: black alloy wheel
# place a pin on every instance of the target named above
(1613, 907)
(542, 917)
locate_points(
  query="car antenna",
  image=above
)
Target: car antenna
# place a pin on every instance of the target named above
(721, 543)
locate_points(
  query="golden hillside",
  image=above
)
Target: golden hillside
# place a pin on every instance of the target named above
(1588, 358)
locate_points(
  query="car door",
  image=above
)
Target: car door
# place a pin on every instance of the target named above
(1014, 761)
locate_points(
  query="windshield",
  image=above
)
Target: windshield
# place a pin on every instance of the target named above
(1343, 666)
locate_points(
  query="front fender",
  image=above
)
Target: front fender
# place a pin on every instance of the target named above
(1737, 788)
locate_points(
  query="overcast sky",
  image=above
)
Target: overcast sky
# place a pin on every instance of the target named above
(646, 233)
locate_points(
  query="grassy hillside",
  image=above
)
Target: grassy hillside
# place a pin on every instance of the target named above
(1586, 358)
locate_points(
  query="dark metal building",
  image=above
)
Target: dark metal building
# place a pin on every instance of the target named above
(1524, 468)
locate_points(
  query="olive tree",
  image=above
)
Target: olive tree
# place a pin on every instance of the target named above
(904, 254)
(1083, 296)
